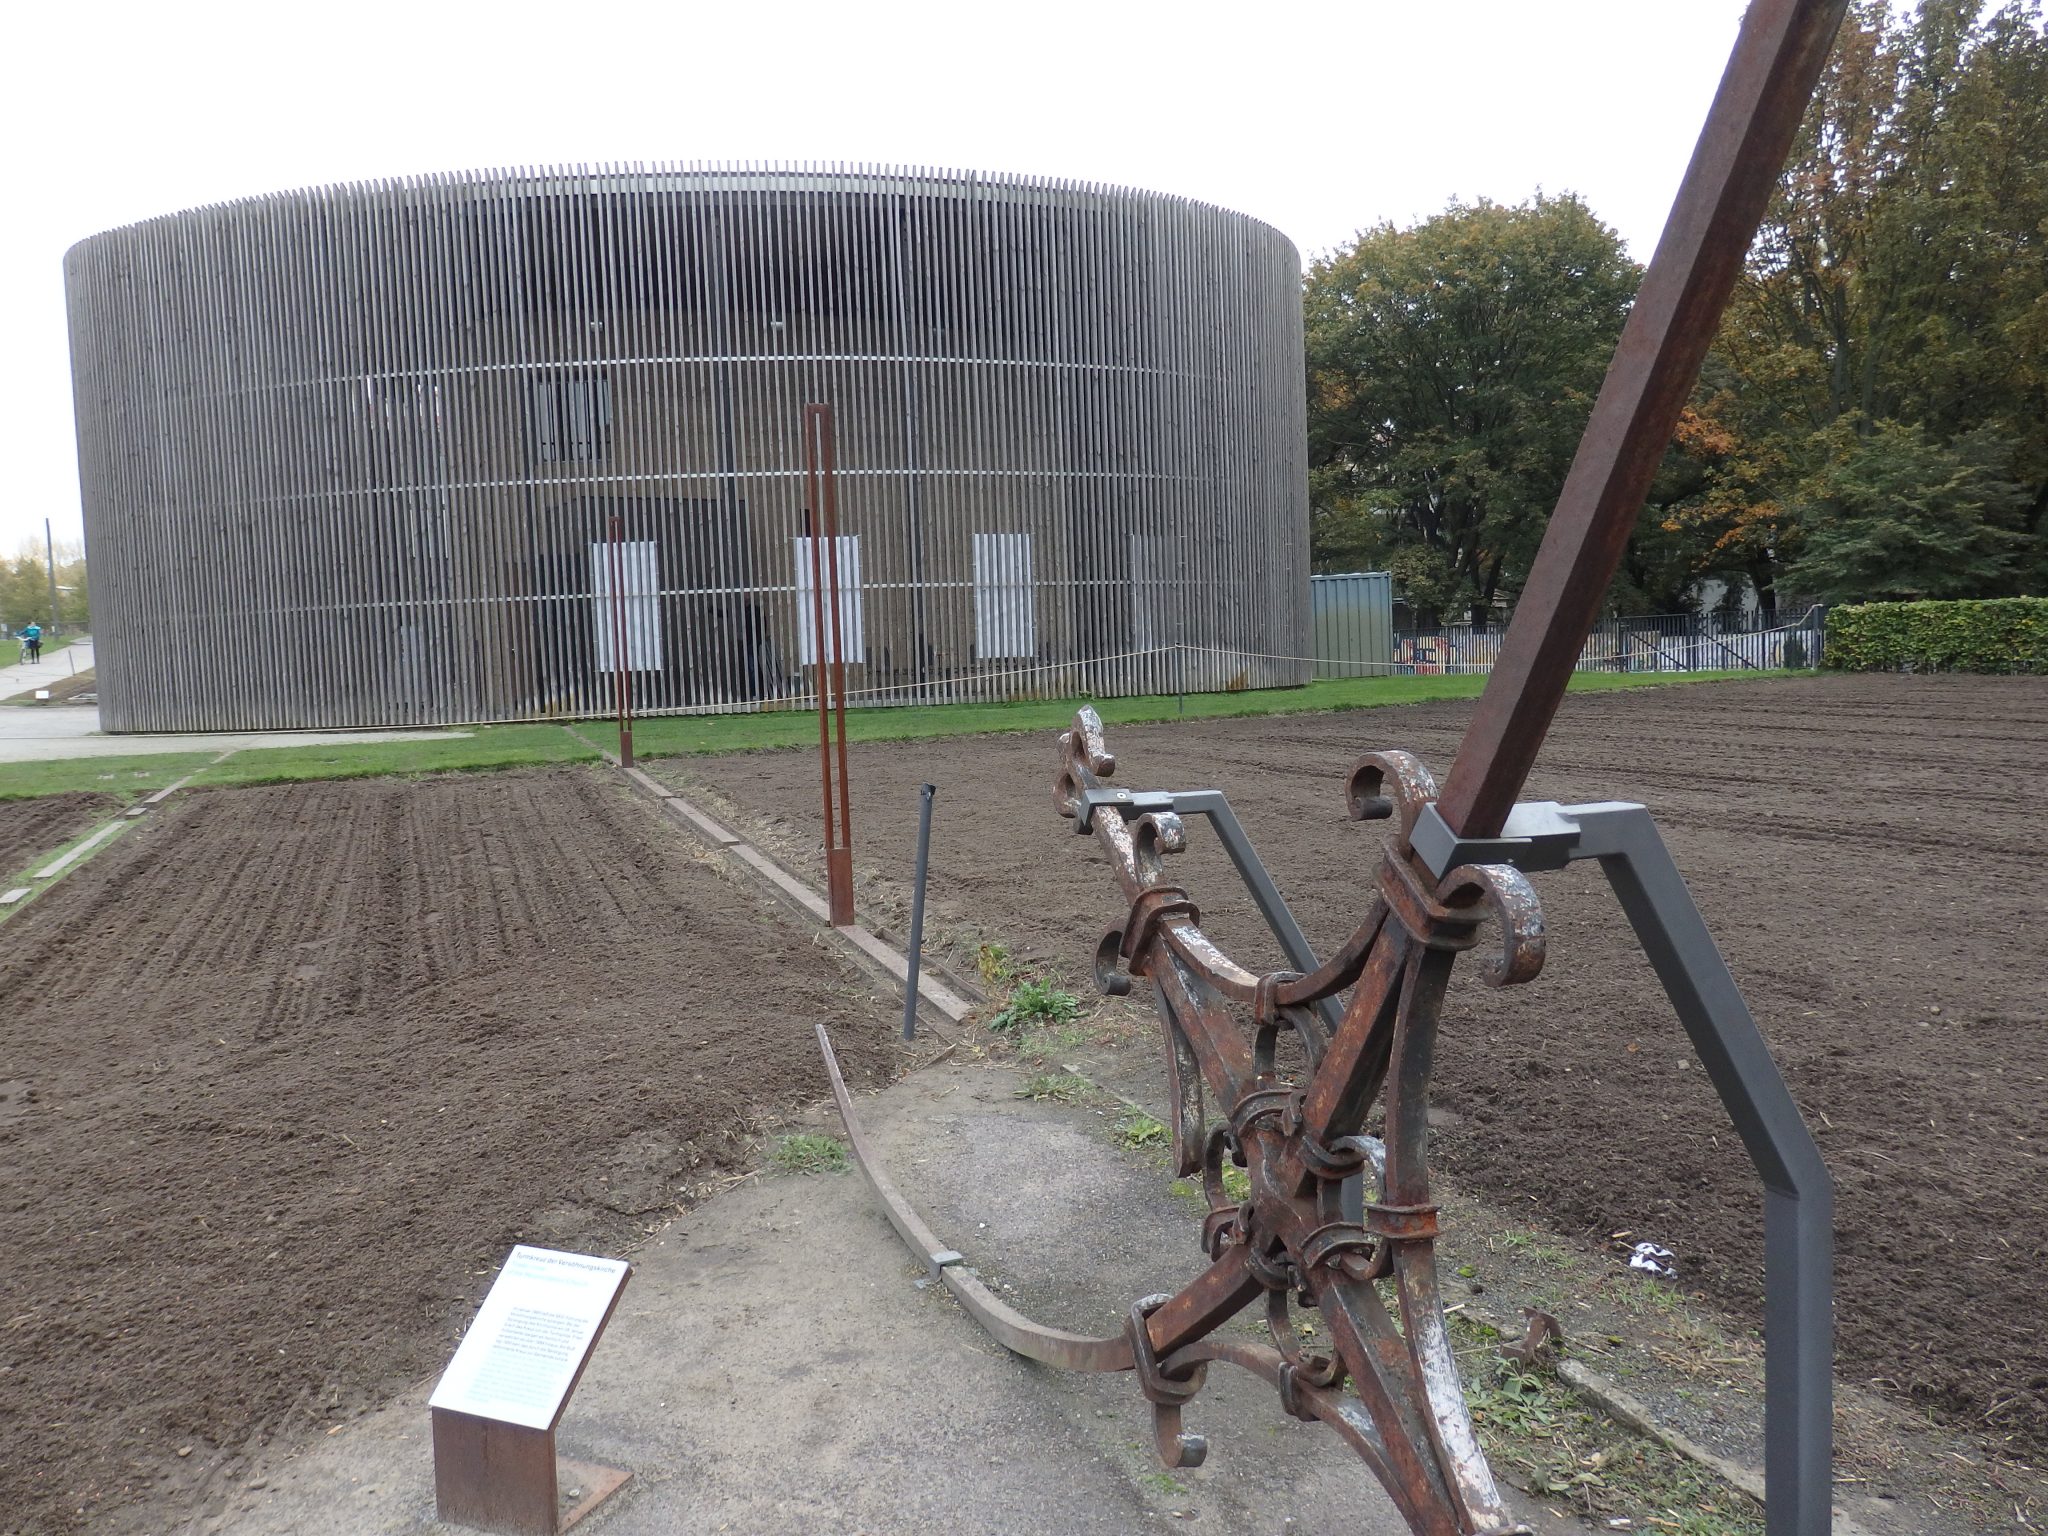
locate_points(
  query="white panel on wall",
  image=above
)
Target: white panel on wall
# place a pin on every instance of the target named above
(1005, 611)
(851, 646)
(639, 596)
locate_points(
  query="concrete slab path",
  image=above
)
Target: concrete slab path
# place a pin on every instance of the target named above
(41, 733)
(774, 1365)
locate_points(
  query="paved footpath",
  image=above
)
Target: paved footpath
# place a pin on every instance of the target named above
(774, 1365)
(37, 733)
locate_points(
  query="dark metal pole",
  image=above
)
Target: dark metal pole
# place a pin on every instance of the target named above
(924, 848)
(50, 554)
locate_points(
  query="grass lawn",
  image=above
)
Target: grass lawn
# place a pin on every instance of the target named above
(127, 778)
(487, 746)
(680, 735)
(10, 650)
(511, 746)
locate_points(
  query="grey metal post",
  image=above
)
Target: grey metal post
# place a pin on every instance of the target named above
(924, 848)
(50, 554)
(1799, 1199)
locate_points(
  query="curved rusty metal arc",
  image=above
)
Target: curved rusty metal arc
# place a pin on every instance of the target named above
(1007, 1326)
(1205, 1302)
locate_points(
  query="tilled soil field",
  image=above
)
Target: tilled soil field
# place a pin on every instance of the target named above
(291, 1068)
(1869, 851)
(31, 828)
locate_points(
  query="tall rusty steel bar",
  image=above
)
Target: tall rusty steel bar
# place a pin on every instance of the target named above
(346, 453)
(1347, 1106)
(821, 482)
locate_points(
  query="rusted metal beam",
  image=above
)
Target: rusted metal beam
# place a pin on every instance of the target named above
(821, 483)
(1778, 57)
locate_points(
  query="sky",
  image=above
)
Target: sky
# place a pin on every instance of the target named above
(1321, 118)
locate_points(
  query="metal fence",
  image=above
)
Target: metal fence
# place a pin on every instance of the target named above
(1681, 642)
(1353, 615)
(1355, 638)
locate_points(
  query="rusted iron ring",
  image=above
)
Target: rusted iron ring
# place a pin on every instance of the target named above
(1259, 1104)
(1275, 1271)
(1153, 906)
(1157, 1386)
(1339, 1160)
(1402, 1223)
(1329, 1242)
(1415, 907)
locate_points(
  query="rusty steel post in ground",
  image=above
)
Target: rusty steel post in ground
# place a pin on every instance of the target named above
(620, 661)
(821, 482)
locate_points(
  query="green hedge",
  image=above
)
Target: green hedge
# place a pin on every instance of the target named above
(2000, 634)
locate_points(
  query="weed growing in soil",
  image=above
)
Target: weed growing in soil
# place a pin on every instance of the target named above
(1060, 1088)
(1138, 1132)
(1036, 1005)
(807, 1152)
(997, 969)
(1539, 1434)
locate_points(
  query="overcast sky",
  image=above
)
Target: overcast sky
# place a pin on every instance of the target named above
(1322, 118)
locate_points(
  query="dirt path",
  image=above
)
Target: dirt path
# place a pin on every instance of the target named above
(1868, 851)
(292, 1067)
(31, 828)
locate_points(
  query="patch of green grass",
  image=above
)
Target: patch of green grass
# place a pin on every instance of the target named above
(1237, 1186)
(1162, 1483)
(1036, 1005)
(808, 1152)
(680, 735)
(1058, 1088)
(10, 650)
(1041, 1045)
(1541, 1435)
(485, 747)
(1139, 1132)
(125, 778)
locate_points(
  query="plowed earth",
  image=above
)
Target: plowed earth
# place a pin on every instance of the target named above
(291, 1068)
(31, 828)
(1871, 854)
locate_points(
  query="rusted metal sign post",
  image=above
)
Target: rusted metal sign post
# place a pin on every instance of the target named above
(1355, 1110)
(621, 661)
(821, 481)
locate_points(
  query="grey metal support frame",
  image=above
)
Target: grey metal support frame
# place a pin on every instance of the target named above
(1265, 894)
(1799, 1196)
(1798, 1193)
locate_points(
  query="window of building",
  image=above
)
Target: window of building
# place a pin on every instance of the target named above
(572, 418)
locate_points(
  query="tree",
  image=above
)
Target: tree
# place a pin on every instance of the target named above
(25, 587)
(1901, 273)
(1451, 370)
(1893, 515)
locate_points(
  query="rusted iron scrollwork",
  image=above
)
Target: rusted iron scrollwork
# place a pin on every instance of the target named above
(1351, 1099)
(1355, 1104)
